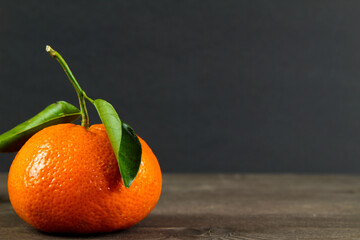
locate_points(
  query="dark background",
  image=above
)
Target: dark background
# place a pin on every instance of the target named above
(212, 86)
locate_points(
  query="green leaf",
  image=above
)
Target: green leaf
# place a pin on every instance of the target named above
(56, 113)
(130, 152)
(123, 139)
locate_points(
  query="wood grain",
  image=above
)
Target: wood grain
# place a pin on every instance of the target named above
(236, 206)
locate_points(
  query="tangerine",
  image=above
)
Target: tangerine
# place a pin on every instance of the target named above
(66, 179)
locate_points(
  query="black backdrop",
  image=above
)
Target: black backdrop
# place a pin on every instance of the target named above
(212, 86)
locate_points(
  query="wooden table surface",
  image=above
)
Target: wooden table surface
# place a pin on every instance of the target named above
(236, 206)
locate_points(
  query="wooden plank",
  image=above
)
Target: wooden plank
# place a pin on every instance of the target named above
(232, 206)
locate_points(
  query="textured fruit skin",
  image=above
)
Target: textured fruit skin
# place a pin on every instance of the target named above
(66, 179)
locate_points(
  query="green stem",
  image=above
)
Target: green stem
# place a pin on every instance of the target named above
(90, 100)
(81, 94)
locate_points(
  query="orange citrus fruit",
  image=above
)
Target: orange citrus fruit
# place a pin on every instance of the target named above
(66, 179)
